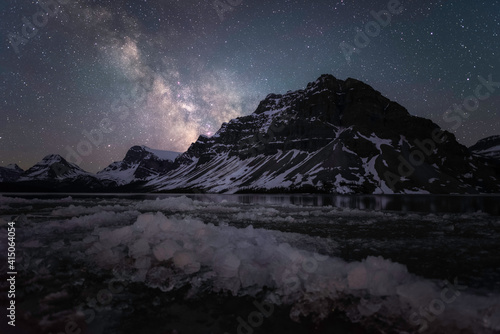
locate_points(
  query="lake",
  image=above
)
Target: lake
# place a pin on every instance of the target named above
(203, 263)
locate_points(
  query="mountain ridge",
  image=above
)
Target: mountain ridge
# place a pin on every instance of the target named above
(334, 136)
(367, 133)
(140, 163)
(488, 147)
(55, 173)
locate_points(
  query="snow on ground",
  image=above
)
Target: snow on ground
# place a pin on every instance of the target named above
(301, 256)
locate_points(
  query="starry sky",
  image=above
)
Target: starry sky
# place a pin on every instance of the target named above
(88, 79)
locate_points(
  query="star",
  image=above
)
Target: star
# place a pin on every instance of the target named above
(105, 76)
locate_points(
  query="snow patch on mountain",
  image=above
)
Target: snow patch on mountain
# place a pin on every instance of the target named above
(488, 147)
(164, 155)
(14, 167)
(51, 167)
(10, 173)
(140, 163)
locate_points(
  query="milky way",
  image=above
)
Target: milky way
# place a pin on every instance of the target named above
(89, 79)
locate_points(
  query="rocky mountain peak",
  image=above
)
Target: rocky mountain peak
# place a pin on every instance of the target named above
(488, 147)
(140, 163)
(52, 158)
(52, 166)
(10, 173)
(14, 167)
(135, 154)
(338, 102)
(486, 143)
(334, 135)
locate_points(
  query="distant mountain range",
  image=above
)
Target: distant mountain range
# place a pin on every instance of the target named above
(334, 136)
(140, 163)
(54, 173)
(488, 148)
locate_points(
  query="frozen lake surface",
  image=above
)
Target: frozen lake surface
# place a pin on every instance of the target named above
(254, 263)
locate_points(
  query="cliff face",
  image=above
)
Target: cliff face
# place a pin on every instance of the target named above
(10, 173)
(140, 163)
(488, 147)
(334, 136)
(54, 173)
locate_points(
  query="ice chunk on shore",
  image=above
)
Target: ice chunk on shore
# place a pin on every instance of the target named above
(358, 277)
(187, 261)
(139, 248)
(143, 262)
(166, 250)
(244, 261)
(78, 210)
(118, 236)
(226, 264)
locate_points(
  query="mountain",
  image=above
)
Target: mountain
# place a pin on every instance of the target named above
(52, 167)
(54, 173)
(140, 163)
(487, 148)
(10, 173)
(334, 136)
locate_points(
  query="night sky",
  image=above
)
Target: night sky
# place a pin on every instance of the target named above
(97, 77)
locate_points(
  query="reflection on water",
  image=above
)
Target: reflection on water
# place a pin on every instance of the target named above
(419, 203)
(412, 203)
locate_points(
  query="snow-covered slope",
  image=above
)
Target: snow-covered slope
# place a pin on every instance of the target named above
(334, 136)
(51, 167)
(10, 173)
(54, 173)
(488, 147)
(140, 163)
